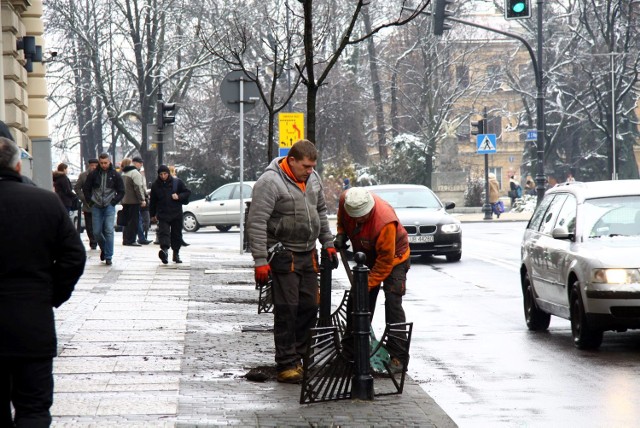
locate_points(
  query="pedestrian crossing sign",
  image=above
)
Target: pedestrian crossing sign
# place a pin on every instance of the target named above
(486, 144)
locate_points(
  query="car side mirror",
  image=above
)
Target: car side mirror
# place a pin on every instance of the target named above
(208, 198)
(449, 205)
(561, 232)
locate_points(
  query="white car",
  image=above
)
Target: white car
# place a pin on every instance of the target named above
(580, 259)
(221, 208)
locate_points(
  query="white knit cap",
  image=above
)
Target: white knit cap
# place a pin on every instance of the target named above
(358, 202)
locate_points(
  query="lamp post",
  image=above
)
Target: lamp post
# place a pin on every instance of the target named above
(614, 131)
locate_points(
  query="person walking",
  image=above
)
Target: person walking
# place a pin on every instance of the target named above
(494, 195)
(40, 263)
(373, 227)
(134, 198)
(103, 190)
(62, 186)
(515, 190)
(168, 194)
(288, 208)
(145, 218)
(92, 164)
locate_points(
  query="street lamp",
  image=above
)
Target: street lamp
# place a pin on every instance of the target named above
(614, 132)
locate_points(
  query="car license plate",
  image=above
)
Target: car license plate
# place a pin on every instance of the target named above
(415, 239)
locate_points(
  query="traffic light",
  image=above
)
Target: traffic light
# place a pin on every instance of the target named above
(163, 112)
(517, 9)
(479, 127)
(440, 13)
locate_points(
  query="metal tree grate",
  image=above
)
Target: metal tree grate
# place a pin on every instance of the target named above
(327, 374)
(395, 336)
(265, 298)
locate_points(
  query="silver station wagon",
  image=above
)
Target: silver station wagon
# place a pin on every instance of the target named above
(581, 259)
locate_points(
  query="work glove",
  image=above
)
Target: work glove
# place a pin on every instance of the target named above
(333, 257)
(262, 274)
(341, 242)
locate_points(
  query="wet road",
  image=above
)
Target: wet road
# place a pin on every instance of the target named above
(471, 350)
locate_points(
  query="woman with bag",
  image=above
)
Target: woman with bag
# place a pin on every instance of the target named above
(494, 195)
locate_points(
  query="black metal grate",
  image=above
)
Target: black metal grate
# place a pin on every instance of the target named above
(400, 336)
(265, 299)
(327, 374)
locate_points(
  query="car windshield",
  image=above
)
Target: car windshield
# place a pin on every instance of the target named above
(615, 216)
(409, 198)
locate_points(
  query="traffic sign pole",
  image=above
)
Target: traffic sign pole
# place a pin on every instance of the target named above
(240, 83)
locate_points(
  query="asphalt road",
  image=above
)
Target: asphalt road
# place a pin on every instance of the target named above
(473, 354)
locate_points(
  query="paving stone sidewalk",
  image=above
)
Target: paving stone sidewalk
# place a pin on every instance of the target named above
(148, 345)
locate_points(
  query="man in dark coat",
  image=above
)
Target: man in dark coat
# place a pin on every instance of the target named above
(167, 196)
(38, 271)
(92, 164)
(103, 190)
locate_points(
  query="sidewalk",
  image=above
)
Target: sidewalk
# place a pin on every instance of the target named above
(151, 345)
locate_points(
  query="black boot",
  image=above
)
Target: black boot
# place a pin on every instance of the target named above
(163, 256)
(176, 257)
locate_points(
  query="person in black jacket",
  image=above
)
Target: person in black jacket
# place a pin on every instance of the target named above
(40, 263)
(167, 196)
(62, 186)
(103, 190)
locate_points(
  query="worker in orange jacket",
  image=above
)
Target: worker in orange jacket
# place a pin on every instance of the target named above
(373, 228)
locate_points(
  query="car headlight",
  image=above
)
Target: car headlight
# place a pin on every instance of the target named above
(450, 228)
(616, 276)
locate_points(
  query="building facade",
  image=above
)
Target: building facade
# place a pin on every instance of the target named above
(24, 89)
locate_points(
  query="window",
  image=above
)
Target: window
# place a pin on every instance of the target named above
(222, 193)
(567, 215)
(539, 213)
(494, 125)
(246, 193)
(549, 220)
(462, 76)
(493, 77)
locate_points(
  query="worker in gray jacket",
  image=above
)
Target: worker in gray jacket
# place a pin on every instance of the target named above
(288, 207)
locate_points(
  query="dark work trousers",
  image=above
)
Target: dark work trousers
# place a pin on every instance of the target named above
(170, 234)
(394, 287)
(295, 304)
(30, 385)
(132, 213)
(88, 225)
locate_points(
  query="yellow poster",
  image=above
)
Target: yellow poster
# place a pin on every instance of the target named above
(291, 127)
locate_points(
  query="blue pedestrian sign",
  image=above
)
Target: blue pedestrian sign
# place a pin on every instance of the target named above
(486, 144)
(532, 135)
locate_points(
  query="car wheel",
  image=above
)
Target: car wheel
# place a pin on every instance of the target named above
(454, 257)
(536, 319)
(224, 228)
(584, 335)
(190, 223)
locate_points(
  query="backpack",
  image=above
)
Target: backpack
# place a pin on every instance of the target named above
(174, 189)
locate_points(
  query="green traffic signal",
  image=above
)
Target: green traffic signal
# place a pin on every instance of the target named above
(517, 9)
